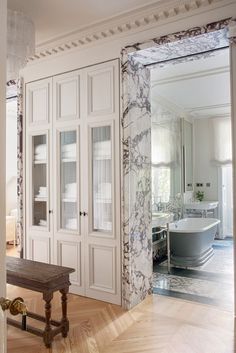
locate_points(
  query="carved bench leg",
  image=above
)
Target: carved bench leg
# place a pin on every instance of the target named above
(64, 320)
(47, 335)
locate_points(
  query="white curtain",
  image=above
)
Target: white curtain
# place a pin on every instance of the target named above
(165, 145)
(222, 142)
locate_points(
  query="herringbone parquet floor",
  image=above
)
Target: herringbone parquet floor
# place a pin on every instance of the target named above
(158, 325)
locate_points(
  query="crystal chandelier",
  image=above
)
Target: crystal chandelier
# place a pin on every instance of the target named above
(20, 42)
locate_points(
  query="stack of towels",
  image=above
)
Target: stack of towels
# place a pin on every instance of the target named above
(68, 151)
(42, 223)
(102, 150)
(40, 152)
(70, 191)
(71, 223)
(42, 192)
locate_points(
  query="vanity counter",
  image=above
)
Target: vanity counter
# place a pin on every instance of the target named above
(159, 219)
(201, 205)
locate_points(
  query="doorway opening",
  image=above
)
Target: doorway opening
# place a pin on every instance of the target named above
(191, 136)
(185, 97)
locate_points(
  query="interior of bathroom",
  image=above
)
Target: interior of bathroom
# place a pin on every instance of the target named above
(192, 179)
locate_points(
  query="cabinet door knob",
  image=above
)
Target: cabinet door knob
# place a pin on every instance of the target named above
(50, 211)
(83, 213)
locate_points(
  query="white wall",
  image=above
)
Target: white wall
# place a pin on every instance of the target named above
(11, 157)
(204, 170)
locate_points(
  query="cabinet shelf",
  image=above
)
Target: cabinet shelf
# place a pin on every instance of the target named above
(43, 161)
(40, 199)
(68, 199)
(102, 158)
(68, 160)
(103, 201)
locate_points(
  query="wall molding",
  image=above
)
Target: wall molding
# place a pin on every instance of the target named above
(137, 20)
(190, 76)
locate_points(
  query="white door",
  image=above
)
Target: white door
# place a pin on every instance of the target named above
(101, 184)
(39, 215)
(3, 16)
(68, 227)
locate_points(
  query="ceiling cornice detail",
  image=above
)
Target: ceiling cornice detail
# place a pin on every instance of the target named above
(140, 19)
(190, 76)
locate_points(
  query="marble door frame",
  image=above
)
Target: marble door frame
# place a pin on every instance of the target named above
(16, 87)
(136, 144)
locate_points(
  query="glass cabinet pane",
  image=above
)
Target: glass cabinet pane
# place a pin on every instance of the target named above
(39, 181)
(68, 169)
(102, 179)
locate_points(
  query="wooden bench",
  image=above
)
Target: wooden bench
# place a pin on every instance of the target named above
(46, 279)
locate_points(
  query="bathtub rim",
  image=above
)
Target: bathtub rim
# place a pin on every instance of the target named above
(202, 229)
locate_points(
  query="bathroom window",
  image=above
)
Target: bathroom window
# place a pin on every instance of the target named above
(161, 184)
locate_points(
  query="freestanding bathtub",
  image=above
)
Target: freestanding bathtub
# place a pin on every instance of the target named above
(191, 241)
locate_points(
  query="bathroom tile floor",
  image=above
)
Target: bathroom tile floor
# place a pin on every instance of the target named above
(211, 283)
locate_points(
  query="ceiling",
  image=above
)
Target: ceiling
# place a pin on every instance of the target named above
(56, 18)
(198, 89)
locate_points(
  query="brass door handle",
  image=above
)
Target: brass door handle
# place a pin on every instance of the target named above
(15, 306)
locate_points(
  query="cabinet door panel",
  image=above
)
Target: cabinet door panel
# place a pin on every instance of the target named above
(102, 269)
(38, 102)
(40, 249)
(69, 255)
(66, 96)
(101, 91)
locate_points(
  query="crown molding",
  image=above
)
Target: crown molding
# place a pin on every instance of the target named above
(130, 22)
(209, 107)
(191, 76)
(191, 112)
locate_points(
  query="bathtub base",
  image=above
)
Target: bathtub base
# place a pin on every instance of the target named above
(192, 261)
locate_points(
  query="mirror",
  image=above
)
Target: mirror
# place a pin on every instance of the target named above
(187, 155)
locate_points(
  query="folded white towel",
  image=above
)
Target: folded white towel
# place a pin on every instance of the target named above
(68, 155)
(71, 187)
(42, 222)
(42, 192)
(71, 223)
(40, 148)
(102, 148)
(70, 196)
(69, 147)
(40, 156)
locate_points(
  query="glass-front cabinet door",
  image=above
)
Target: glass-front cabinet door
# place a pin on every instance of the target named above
(69, 191)
(40, 192)
(101, 167)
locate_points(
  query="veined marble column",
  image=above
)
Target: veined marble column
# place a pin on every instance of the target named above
(137, 236)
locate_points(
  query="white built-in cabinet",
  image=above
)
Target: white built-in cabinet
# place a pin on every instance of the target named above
(73, 177)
